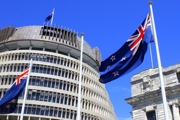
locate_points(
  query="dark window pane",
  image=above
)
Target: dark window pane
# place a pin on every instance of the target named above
(151, 115)
(29, 110)
(33, 110)
(51, 112)
(37, 111)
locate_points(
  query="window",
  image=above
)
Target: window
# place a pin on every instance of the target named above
(151, 115)
(40, 49)
(29, 110)
(42, 110)
(33, 110)
(38, 110)
(178, 76)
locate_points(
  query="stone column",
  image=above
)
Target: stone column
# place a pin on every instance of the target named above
(175, 110)
(156, 111)
(144, 114)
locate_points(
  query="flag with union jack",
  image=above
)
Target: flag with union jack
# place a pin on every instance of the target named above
(8, 102)
(129, 56)
(49, 16)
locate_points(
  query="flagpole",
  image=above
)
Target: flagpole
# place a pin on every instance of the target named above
(159, 65)
(80, 77)
(52, 16)
(25, 94)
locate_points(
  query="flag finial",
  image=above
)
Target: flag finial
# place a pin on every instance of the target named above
(150, 2)
(82, 34)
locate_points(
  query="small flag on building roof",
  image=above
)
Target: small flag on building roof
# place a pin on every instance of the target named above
(49, 16)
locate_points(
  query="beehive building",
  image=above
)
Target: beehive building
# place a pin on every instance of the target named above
(54, 80)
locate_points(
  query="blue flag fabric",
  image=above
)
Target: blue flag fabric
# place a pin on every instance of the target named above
(9, 101)
(129, 56)
(49, 17)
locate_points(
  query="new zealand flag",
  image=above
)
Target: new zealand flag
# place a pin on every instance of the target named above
(9, 101)
(129, 56)
(49, 17)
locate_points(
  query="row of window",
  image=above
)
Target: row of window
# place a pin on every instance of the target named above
(59, 98)
(71, 75)
(65, 99)
(46, 70)
(25, 117)
(40, 95)
(54, 97)
(58, 84)
(59, 33)
(52, 59)
(54, 112)
(60, 60)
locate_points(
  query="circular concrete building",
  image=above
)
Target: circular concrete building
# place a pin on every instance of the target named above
(54, 79)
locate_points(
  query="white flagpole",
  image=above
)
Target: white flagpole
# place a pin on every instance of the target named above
(80, 77)
(159, 65)
(25, 94)
(52, 16)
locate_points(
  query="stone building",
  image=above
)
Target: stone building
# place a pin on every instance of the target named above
(53, 86)
(146, 97)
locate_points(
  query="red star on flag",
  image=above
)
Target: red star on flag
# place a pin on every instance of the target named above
(7, 106)
(116, 73)
(112, 58)
(13, 100)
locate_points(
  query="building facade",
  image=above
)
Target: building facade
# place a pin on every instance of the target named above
(54, 79)
(146, 98)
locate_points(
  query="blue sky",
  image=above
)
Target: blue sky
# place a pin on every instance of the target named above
(107, 24)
